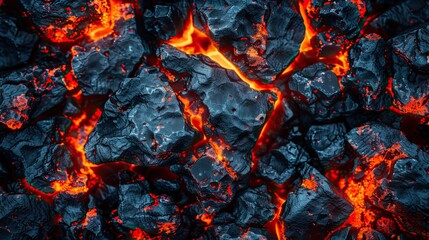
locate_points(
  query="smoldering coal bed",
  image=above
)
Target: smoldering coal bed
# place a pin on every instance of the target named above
(214, 119)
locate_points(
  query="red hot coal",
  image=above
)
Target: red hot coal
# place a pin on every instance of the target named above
(214, 119)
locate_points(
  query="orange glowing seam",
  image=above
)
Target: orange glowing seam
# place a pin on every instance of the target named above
(276, 225)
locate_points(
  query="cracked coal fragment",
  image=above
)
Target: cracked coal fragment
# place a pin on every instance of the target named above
(61, 20)
(71, 207)
(166, 19)
(24, 217)
(154, 214)
(17, 44)
(367, 72)
(328, 141)
(342, 17)
(374, 139)
(237, 112)
(141, 124)
(405, 193)
(254, 207)
(101, 66)
(281, 164)
(302, 211)
(316, 89)
(261, 37)
(15, 104)
(328, 44)
(401, 17)
(233, 231)
(210, 181)
(410, 82)
(44, 159)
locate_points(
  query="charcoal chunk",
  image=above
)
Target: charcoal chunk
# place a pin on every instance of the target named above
(24, 217)
(16, 44)
(61, 20)
(15, 104)
(367, 72)
(317, 90)
(166, 19)
(401, 17)
(411, 72)
(254, 207)
(341, 16)
(211, 182)
(141, 124)
(44, 158)
(281, 164)
(258, 31)
(237, 112)
(154, 214)
(233, 231)
(375, 139)
(303, 213)
(328, 141)
(102, 65)
(405, 194)
(71, 207)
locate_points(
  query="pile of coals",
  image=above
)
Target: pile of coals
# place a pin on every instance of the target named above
(214, 119)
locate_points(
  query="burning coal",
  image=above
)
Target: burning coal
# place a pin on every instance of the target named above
(189, 119)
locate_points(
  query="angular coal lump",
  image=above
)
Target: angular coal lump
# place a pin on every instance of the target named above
(102, 65)
(328, 141)
(265, 36)
(166, 19)
(367, 72)
(237, 112)
(71, 207)
(61, 20)
(39, 150)
(410, 84)
(29, 92)
(281, 164)
(141, 124)
(403, 192)
(316, 89)
(16, 44)
(401, 17)
(24, 217)
(340, 16)
(303, 213)
(209, 180)
(154, 214)
(233, 231)
(254, 207)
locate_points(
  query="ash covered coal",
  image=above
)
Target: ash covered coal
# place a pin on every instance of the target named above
(304, 119)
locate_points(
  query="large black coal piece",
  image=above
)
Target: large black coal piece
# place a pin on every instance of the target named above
(237, 112)
(38, 149)
(254, 207)
(328, 141)
(154, 214)
(315, 208)
(367, 74)
(17, 44)
(166, 19)
(410, 84)
(255, 35)
(282, 164)
(101, 66)
(142, 124)
(316, 89)
(24, 217)
(61, 21)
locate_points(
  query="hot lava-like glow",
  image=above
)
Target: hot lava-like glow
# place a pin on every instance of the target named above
(276, 225)
(359, 191)
(107, 11)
